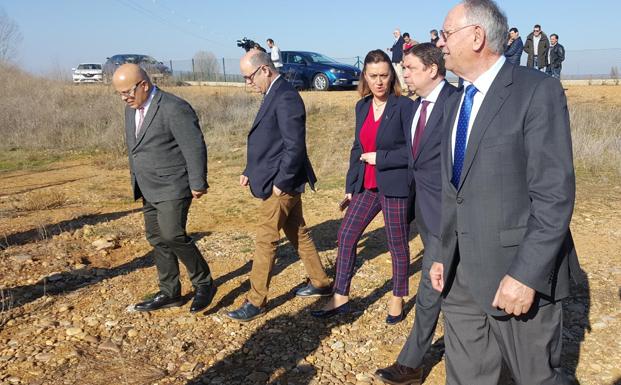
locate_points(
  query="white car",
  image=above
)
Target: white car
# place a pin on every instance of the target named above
(88, 73)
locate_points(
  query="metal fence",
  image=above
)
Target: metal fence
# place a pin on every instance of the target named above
(222, 69)
(578, 64)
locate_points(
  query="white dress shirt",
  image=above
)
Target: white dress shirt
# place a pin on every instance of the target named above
(431, 98)
(482, 84)
(270, 87)
(276, 56)
(536, 40)
(145, 105)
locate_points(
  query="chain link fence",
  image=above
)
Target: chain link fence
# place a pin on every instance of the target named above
(222, 69)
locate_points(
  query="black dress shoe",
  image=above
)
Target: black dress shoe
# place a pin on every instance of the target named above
(247, 312)
(203, 297)
(394, 319)
(312, 291)
(160, 301)
(344, 308)
(397, 374)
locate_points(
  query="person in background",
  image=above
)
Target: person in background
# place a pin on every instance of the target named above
(424, 72)
(556, 56)
(275, 54)
(168, 164)
(377, 181)
(536, 47)
(408, 42)
(434, 36)
(514, 49)
(397, 56)
(277, 171)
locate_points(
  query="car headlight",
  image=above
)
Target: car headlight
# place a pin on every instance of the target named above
(336, 71)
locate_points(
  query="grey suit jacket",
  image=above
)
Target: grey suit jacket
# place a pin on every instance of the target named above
(169, 157)
(425, 172)
(512, 209)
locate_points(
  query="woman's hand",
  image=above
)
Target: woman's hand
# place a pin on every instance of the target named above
(368, 157)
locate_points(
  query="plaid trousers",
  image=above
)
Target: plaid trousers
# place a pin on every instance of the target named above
(363, 208)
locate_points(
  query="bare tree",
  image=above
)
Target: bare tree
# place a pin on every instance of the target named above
(10, 37)
(206, 63)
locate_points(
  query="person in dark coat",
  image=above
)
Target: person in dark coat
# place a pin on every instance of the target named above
(513, 52)
(536, 46)
(556, 55)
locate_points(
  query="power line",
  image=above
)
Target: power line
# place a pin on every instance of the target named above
(153, 15)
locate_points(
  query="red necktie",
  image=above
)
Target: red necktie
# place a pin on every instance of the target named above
(140, 120)
(420, 127)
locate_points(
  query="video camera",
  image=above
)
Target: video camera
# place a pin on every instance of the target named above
(249, 44)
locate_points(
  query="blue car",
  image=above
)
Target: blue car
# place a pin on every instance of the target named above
(313, 70)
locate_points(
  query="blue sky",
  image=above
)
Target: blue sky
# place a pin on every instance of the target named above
(61, 33)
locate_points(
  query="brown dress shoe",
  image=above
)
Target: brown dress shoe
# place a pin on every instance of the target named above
(397, 374)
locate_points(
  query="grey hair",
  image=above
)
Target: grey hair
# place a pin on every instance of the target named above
(262, 59)
(492, 19)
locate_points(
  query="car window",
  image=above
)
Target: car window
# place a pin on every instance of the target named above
(297, 59)
(89, 67)
(314, 57)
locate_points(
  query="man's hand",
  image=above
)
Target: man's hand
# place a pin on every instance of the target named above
(198, 194)
(513, 296)
(368, 157)
(436, 273)
(276, 191)
(243, 180)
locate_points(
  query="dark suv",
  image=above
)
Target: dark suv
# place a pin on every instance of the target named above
(156, 69)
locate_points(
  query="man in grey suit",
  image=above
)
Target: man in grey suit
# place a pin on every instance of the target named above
(508, 190)
(424, 74)
(168, 163)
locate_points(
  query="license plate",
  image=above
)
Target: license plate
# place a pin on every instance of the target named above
(354, 83)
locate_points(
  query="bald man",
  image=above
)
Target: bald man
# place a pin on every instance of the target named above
(168, 163)
(277, 170)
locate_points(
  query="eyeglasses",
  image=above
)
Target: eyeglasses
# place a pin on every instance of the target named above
(446, 34)
(131, 92)
(250, 78)
(536, 30)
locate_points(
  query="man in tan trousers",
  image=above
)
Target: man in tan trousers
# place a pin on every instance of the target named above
(277, 171)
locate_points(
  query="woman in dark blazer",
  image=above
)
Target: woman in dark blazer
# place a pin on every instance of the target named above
(377, 180)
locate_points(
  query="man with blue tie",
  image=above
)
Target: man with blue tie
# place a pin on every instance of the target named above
(508, 191)
(424, 74)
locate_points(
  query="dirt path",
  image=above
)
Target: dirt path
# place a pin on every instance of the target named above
(65, 317)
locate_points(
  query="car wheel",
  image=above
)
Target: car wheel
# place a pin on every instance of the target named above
(320, 82)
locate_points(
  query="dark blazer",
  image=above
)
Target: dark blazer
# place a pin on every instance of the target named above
(169, 157)
(511, 211)
(557, 55)
(391, 148)
(277, 144)
(397, 50)
(513, 52)
(425, 171)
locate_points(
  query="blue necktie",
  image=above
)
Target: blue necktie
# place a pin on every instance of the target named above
(462, 134)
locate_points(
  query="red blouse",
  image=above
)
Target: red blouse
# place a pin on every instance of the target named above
(368, 135)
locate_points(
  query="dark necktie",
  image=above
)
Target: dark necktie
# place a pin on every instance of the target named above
(461, 136)
(420, 127)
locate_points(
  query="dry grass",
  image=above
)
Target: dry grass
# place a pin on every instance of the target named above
(40, 200)
(41, 115)
(596, 134)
